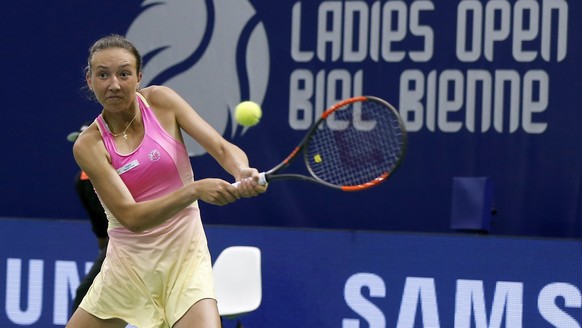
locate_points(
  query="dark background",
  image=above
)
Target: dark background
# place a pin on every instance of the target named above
(537, 177)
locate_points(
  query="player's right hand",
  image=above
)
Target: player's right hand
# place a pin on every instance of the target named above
(216, 191)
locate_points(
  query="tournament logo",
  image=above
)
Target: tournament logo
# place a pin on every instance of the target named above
(214, 53)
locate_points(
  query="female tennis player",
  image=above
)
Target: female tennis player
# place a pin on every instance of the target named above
(157, 272)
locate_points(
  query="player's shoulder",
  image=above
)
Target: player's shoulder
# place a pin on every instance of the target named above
(87, 140)
(89, 147)
(159, 95)
(164, 101)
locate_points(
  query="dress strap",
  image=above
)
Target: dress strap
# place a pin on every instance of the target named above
(105, 134)
(143, 99)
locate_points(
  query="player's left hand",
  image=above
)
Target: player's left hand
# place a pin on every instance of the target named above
(249, 183)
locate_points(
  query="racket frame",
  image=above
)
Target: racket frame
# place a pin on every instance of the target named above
(272, 174)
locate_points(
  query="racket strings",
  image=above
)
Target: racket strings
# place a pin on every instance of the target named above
(356, 144)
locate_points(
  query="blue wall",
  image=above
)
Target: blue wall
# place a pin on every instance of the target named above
(519, 76)
(329, 278)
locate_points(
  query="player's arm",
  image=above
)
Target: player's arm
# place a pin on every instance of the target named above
(229, 156)
(92, 157)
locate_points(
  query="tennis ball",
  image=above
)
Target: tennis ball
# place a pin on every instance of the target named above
(248, 113)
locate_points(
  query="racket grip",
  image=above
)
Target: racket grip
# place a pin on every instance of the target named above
(262, 180)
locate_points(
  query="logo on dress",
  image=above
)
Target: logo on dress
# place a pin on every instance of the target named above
(154, 155)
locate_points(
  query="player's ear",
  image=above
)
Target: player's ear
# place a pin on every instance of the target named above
(89, 84)
(88, 78)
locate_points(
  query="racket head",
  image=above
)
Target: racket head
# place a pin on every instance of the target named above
(356, 144)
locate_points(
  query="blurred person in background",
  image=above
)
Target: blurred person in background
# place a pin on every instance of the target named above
(94, 210)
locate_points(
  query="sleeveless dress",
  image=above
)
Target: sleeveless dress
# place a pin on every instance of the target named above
(150, 279)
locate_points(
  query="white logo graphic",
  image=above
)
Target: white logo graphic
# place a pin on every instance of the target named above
(154, 155)
(214, 53)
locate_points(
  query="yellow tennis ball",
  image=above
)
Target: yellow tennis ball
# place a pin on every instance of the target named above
(248, 113)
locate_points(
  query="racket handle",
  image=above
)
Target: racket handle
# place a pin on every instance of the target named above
(262, 180)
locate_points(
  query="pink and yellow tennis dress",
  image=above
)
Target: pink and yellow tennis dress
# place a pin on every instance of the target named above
(151, 279)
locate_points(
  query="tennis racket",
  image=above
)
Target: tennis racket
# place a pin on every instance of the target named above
(356, 144)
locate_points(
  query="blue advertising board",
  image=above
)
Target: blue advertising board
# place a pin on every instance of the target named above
(486, 89)
(328, 278)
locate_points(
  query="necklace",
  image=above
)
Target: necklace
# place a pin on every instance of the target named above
(123, 133)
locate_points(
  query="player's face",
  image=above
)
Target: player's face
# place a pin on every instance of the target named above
(114, 78)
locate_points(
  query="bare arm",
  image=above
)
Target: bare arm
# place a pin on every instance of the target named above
(93, 159)
(175, 112)
(171, 110)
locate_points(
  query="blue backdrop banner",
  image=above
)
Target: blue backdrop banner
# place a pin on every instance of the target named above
(486, 89)
(315, 278)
